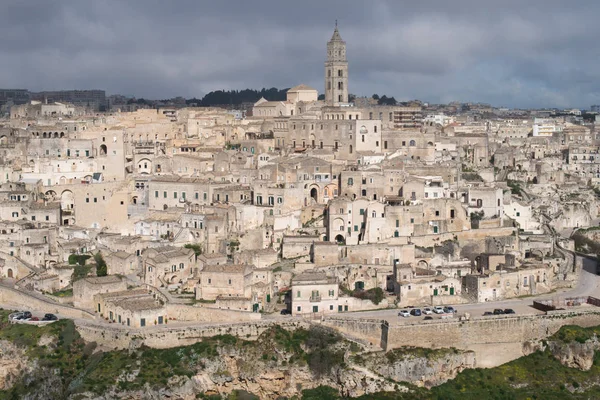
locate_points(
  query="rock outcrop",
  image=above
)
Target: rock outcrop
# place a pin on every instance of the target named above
(420, 367)
(12, 364)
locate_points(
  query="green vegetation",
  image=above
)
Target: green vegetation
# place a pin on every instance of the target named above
(80, 271)
(63, 293)
(477, 216)
(583, 243)
(79, 259)
(574, 333)
(472, 176)
(101, 267)
(196, 247)
(515, 187)
(376, 295)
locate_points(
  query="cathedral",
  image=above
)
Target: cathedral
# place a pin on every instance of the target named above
(303, 122)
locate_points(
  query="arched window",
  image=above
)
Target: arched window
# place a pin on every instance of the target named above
(350, 181)
(181, 265)
(412, 143)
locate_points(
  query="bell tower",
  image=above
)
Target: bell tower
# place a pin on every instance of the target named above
(336, 71)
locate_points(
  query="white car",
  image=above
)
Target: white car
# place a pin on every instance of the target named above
(427, 311)
(404, 313)
(438, 309)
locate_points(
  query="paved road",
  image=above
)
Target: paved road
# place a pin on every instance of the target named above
(588, 285)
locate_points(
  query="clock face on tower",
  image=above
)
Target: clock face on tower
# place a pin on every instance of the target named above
(363, 130)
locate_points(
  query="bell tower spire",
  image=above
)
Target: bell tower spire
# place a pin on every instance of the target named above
(336, 70)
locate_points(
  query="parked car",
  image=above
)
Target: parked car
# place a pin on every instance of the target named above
(16, 315)
(488, 313)
(427, 318)
(404, 313)
(50, 317)
(438, 309)
(427, 311)
(34, 319)
(449, 310)
(24, 316)
(416, 312)
(509, 311)
(498, 311)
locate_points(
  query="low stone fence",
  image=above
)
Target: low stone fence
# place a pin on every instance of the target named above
(559, 304)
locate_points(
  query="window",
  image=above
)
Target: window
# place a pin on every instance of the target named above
(299, 309)
(143, 322)
(340, 73)
(412, 220)
(209, 281)
(165, 195)
(350, 181)
(298, 294)
(362, 211)
(174, 195)
(156, 193)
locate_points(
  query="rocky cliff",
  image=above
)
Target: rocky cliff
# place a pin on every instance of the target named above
(422, 367)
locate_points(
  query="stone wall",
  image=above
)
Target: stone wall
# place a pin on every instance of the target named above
(496, 339)
(372, 330)
(12, 298)
(182, 312)
(172, 336)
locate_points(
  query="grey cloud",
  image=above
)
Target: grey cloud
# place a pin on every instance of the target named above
(513, 53)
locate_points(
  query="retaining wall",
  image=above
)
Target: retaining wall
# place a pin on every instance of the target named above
(166, 337)
(19, 300)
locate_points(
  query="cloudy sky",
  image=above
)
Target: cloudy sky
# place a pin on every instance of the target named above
(509, 53)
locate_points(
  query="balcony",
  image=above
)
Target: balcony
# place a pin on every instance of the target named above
(315, 299)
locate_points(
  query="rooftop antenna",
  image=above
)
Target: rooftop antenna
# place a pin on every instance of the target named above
(336, 24)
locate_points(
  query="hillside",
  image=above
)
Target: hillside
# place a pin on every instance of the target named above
(53, 362)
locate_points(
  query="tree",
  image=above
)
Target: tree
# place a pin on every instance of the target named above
(196, 247)
(101, 267)
(388, 101)
(375, 96)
